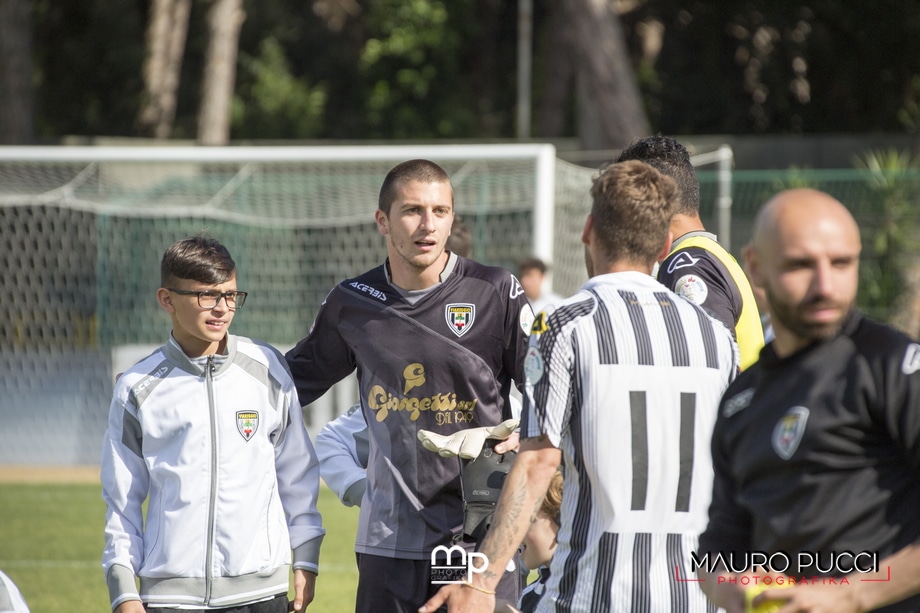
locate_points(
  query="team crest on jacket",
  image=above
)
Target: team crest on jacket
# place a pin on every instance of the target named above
(247, 422)
(789, 431)
(460, 317)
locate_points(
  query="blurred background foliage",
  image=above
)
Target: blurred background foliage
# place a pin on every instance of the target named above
(421, 69)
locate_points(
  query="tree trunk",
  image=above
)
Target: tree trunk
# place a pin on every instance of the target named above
(16, 72)
(224, 22)
(166, 34)
(611, 111)
(560, 68)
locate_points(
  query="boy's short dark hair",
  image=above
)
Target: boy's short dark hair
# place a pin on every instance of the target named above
(198, 258)
(421, 171)
(532, 264)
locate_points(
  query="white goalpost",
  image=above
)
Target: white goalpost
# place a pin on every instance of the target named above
(84, 228)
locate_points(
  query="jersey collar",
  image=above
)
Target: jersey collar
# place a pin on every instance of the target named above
(696, 233)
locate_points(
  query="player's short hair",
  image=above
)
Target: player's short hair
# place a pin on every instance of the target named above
(532, 264)
(198, 258)
(552, 501)
(420, 171)
(672, 159)
(632, 210)
(460, 240)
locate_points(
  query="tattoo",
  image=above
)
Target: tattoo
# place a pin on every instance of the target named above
(506, 535)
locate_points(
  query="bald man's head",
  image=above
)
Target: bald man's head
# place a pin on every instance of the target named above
(805, 255)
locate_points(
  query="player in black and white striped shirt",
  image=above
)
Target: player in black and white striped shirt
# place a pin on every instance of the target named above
(623, 380)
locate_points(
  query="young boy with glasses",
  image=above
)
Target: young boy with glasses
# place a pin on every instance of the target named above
(209, 428)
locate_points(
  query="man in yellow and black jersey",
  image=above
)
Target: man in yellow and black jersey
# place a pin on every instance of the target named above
(698, 267)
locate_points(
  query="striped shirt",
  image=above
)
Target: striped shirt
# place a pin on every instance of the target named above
(625, 378)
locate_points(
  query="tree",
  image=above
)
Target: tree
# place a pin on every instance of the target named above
(16, 72)
(559, 73)
(225, 18)
(445, 68)
(610, 108)
(165, 42)
(890, 277)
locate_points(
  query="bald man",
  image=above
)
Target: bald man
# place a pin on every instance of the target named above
(816, 449)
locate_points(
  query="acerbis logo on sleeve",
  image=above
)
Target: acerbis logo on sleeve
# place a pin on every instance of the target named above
(367, 289)
(682, 260)
(516, 288)
(911, 362)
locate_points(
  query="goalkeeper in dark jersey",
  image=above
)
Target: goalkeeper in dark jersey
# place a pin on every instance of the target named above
(816, 449)
(438, 341)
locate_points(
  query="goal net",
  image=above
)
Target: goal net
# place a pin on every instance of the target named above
(83, 230)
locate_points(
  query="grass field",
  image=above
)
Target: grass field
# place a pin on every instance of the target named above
(51, 543)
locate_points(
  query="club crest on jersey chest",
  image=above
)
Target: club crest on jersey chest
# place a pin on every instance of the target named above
(788, 432)
(460, 317)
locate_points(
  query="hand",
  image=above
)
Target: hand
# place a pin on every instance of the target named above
(304, 586)
(130, 606)
(466, 443)
(727, 596)
(812, 598)
(459, 599)
(512, 443)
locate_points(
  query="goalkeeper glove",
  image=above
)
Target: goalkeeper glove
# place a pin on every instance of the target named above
(465, 443)
(482, 481)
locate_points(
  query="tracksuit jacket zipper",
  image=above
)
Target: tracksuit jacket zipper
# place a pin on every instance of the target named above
(209, 378)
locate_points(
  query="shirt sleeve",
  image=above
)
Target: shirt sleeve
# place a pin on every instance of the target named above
(698, 277)
(125, 482)
(902, 397)
(518, 321)
(297, 470)
(11, 600)
(548, 380)
(342, 446)
(322, 358)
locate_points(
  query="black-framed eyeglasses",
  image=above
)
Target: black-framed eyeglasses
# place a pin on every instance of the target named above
(210, 298)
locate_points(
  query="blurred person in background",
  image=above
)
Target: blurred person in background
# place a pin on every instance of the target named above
(532, 272)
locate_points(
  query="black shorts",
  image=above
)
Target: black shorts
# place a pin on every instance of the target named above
(394, 585)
